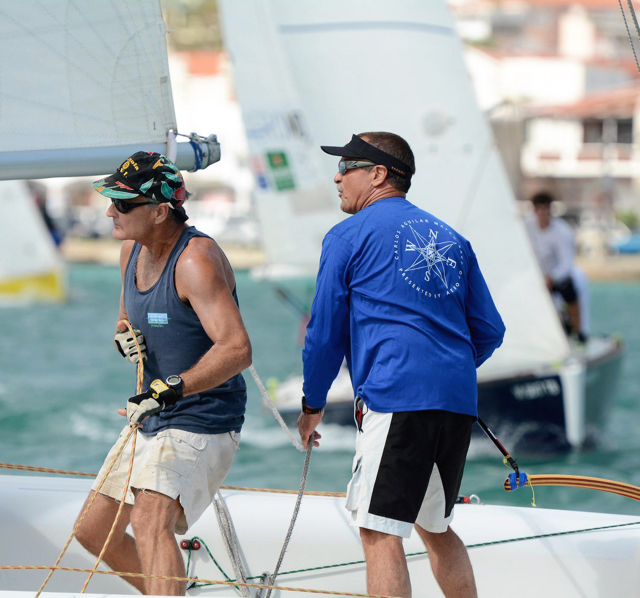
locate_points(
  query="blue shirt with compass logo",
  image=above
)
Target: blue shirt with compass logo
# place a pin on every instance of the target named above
(401, 296)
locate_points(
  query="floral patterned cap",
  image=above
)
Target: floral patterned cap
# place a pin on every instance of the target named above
(145, 173)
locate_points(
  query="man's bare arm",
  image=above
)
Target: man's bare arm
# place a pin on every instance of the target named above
(125, 252)
(205, 281)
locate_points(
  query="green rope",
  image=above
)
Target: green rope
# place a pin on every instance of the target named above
(203, 543)
(507, 541)
(424, 552)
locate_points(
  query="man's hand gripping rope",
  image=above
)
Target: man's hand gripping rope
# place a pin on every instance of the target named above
(130, 342)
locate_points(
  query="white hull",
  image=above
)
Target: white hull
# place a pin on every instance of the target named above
(37, 514)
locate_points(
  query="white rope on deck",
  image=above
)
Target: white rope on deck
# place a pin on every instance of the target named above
(231, 542)
(225, 522)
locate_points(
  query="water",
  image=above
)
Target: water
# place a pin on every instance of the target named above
(61, 381)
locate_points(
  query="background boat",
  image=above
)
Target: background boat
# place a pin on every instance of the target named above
(299, 71)
(31, 269)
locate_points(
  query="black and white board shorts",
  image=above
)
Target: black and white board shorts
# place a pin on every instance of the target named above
(408, 469)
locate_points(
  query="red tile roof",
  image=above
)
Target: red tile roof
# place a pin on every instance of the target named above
(204, 62)
(619, 102)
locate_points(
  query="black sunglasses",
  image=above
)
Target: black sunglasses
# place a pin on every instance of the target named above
(345, 165)
(124, 207)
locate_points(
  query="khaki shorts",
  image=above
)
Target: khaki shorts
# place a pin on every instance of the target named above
(174, 463)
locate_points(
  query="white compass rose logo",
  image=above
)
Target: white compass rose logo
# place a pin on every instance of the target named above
(432, 256)
(429, 256)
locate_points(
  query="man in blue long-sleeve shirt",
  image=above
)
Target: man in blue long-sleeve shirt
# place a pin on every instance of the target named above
(401, 296)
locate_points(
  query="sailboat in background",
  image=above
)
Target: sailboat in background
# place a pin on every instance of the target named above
(31, 268)
(82, 87)
(310, 74)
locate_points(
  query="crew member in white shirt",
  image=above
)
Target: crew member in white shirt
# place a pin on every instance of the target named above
(554, 245)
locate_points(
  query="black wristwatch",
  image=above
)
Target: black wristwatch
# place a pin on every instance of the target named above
(309, 410)
(175, 383)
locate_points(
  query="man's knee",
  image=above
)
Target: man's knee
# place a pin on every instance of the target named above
(153, 513)
(94, 525)
(87, 538)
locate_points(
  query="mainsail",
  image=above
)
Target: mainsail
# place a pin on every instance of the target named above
(311, 73)
(83, 85)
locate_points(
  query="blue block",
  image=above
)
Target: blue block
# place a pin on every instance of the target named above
(519, 482)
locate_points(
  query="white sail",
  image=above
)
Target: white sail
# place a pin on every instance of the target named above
(82, 86)
(30, 267)
(295, 204)
(341, 68)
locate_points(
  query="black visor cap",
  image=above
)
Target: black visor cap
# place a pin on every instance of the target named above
(357, 148)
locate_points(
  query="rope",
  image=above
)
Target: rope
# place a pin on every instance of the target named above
(633, 16)
(197, 151)
(276, 491)
(132, 432)
(86, 510)
(192, 579)
(215, 562)
(120, 507)
(629, 32)
(242, 488)
(194, 140)
(424, 553)
(45, 470)
(274, 410)
(230, 538)
(204, 582)
(270, 579)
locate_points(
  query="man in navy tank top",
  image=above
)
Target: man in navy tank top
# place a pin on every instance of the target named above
(400, 295)
(179, 295)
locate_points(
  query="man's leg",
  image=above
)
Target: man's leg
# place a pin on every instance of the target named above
(450, 563)
(573, 309)
(121, 553)
(153, 519)
(387, 573)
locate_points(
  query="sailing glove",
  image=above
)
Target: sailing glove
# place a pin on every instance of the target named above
(150, 402)
(126, 344)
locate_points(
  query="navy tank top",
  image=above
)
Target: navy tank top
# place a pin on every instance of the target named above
(175, 341)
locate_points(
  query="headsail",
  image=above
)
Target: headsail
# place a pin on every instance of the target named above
(348, 68)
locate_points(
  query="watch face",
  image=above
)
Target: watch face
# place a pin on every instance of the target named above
(174, 380)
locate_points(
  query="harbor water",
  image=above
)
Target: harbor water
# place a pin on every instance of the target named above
(61, 381)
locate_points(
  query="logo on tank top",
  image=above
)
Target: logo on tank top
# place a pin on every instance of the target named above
(157, 320)
(429, 258)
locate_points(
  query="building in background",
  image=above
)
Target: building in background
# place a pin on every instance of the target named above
(559, 84)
